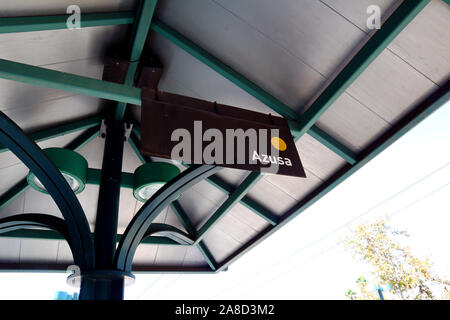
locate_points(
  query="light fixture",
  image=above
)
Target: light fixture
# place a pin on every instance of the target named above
(150, 177)
(72, 165)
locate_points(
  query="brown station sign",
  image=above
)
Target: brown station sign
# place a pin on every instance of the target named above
(197, 131)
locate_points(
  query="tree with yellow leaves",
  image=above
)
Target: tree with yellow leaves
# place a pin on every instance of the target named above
(364, 294)
(380, 245)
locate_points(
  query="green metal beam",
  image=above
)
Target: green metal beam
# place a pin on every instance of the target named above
(246, 85)
(94, 177)
(54, 22)
(157, 240)
(127, 180)
(134, 144)
(62, 268)
(335, 146)
(69, 82)
(178, 210)
(147, 9)
(324, 138)
(246, 201)
(221, 185)
(423, 110)
(143, 26)
(76, 83)
(83, 139)
(233, 198)
(216, 182)
(53, 235)
(374, 46)
(187, 224)
(13, 193)
(401, 17)
(22, 185)
(61, 130)
(207, 255)
(183, 218)
(35, 23)
(223, 69)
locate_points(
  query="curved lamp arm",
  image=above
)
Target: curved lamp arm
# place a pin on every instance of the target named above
(30, 220)
(141, 222)
(168, 231)
(32, 156)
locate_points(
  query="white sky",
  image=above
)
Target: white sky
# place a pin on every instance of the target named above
(303, 260)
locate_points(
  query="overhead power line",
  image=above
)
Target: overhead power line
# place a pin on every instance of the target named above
(340, 227)
(334, 246)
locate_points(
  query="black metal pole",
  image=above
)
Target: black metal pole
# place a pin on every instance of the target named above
(101, 288)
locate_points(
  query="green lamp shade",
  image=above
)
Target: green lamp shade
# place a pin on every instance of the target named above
(72, 165)
(150, 177)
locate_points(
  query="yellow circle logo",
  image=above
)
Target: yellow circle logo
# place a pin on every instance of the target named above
(278, 143)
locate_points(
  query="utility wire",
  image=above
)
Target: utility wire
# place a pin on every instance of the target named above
(168, 285)
(151, 285)
(321, 253)
(335, 230)
(332, 247)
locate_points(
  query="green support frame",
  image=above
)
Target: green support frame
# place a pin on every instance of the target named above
(223, 69)
(215, 181)
(53, 235)
(365, 56)
(61, 130)
(300, 124)
(233, 198)
(13, 193)
(368, 53)
(424, 109)
(334, 145)
(91, 125)
(143, 269)
(106, 90)
(248, 86)
(141, 28)
(55, 22)
(94, 177)
(68, 82)
(176, 207)
(187, 224)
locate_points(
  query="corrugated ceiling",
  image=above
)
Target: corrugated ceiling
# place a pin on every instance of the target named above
(290, 48)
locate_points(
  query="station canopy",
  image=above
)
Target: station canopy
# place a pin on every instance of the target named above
(347, 91)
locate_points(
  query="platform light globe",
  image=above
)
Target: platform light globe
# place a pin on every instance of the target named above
(151, 177)
(72, 166)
